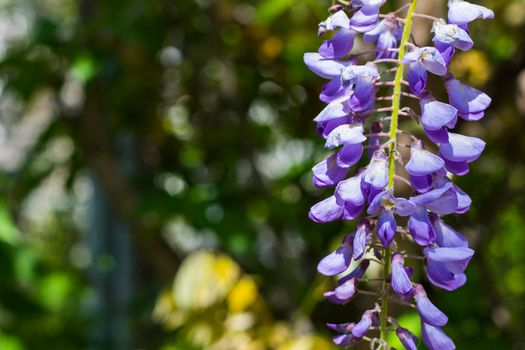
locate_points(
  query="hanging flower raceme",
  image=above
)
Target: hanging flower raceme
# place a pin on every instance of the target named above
(359, 84)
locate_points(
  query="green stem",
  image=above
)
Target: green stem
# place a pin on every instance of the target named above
(396, 105)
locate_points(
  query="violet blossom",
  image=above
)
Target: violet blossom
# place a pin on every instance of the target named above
(355, 97)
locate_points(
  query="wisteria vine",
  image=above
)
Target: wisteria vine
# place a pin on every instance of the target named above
(365, 92)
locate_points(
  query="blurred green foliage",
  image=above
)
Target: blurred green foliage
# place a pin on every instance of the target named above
(191, 120)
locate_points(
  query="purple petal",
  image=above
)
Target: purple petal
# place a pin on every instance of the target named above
(349, 155)
(336, 262)
(350, 191)
(422, 162)
(435, 115)
(421, 183)
(446, 236)
(386, 41)
(429, 57)
(446, 51)
(326, 211)
(362, 327)
(462, 148)
(429, 313)
(386, 228)
(462, 12)
(470, 103)
(455, 258)
(456, 280)
(327, 173)
(360, 240)
(346, 291)
(417, 78)
(351, 211)
(346, 134)
(339, 45)
(323, 67)
(452, 34)
(420, 227)
(464, 200)
(406, 338)
(344, 340)
(457, 168)
(376, 175)
(437, 136)
(403, 207)
(332, 111)
(341, 327)
(435, 339)
(332, 91)
(400, 281)
(441, 200)
(357, 273)
(365, 19)
(337, 20)
(377, 203)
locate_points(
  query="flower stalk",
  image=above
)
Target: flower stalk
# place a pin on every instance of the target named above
(394, 122)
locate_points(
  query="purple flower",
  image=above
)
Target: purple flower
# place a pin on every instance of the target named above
(470, 103)
(400, 281)
(428, 312)
(423, 167)
(459, 151)
(334, 110)
(435, 339)
(350, 136)
(347, 285)
(441, 200)
(361, 79)
(463, 12)
(436, 116)
(345, 134)
(343, 293)
(423, 162)
(362, 236)
(339, 260)
(451, 35)
(367, 16)
(420, 227)
(376, 175)
(445, 266)
(348, 194)
(387, 204)
(421, 60)
(386, 227)
(328, 173)
(350, 95)
(386, 35)
(339, 45)
(406, 338)
(344, 340)
(362, 327)
(326, 211)
(323, 67)
(341, 327)
(446, 236)
(337, 20)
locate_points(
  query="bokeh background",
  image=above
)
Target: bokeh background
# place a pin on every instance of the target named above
(154, 169)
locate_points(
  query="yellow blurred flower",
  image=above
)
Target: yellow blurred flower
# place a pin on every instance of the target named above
(204, 279)
(471, 66)
(243, 295)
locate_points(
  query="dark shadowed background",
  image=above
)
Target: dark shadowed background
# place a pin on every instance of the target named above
(154, 167)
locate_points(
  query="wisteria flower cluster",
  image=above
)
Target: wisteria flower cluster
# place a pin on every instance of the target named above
(359, 85)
